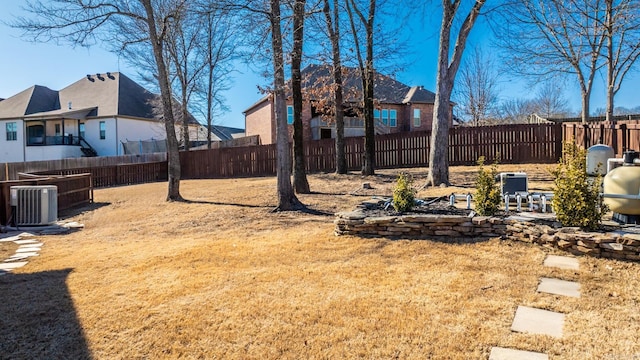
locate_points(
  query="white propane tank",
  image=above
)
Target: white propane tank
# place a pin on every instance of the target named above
(623, 180)
(598, 155)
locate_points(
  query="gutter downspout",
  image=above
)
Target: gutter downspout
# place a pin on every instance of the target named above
(24, 141)
(117, 138)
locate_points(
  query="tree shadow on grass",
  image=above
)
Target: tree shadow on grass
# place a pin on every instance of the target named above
(225, 204)
(66, 213)
(38, 319)
(301, 208)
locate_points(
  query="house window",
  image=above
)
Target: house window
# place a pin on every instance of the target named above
(35, 135)
(416, 117)
(376, 114)
(385, 116)
(393, 118)
(289, 114)
(57, 127)
(81, 130)
(12, 131)
(103, 130)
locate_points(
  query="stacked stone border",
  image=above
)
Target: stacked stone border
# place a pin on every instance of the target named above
(616, 244)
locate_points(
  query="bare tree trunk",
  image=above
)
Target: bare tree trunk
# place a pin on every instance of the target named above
(287, 200)
(209, 106)
(341, 159)
(338, 109)
(185, 116)
(367, 73)
(438, 154)
(300, 183)
(173, 155)
(210, 79)
(368, 165)
(610, 67)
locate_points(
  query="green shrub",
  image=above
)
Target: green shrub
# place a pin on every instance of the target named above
(576, 200)
(403, 193)
(487, 197)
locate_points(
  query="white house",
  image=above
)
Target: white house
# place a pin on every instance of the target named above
(91, 117)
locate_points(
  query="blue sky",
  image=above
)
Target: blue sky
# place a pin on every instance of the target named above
(24, 64)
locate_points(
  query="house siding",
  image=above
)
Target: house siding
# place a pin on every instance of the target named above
(258, 121)
(426, 116)
(43, 153)
(136, 130)
(13, 150)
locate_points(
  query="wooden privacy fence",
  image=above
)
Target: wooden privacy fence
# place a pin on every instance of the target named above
(620, 136)
(73, 190)
(529, 143)
(115, 175)
(229, 162)
(9, 171)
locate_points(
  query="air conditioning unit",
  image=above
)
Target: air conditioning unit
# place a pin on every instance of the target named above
(35, 205)
(513, 184)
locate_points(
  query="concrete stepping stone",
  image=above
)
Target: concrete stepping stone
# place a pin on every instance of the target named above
(26, 246)
(12, 265)
(24, 254)
(10, 238)
(498, 353)
(538, 321)
(73, 225)
(17, 258)
(562, 262)
(33, 253)
(27, 249)
(559, 287)
(25, 242)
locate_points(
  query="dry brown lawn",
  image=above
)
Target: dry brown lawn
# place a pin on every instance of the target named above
(224, 278)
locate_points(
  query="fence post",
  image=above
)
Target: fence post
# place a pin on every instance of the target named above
(586, 135)
(625, 137)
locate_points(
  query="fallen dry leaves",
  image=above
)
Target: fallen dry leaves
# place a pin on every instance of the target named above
(222, 277)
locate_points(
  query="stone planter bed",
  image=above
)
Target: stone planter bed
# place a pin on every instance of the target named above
(616, 242)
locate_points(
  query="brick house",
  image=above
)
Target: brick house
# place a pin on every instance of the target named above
(398, 107)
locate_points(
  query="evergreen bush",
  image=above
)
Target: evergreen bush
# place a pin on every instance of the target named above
(403, 193)
(576, 200)
(487, 197)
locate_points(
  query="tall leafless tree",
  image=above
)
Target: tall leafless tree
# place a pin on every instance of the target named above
(83, 23)
(477, 87)
(621, 23)
(300, 183)
(366, 16)
(287, 199)
(552, 37)
(446, 74)
(332, 19)
(219, 51)
(516, 111)
(550, 100)
(185, 63)
(265, 20)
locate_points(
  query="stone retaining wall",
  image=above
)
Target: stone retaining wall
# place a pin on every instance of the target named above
(617, 244)
(455, 226)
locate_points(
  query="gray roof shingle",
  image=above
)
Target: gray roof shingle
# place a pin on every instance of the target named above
(110, 94)
(386, 89)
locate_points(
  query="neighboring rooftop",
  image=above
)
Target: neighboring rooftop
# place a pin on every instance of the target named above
(225, 132)
(93, 94)
(386, 89)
